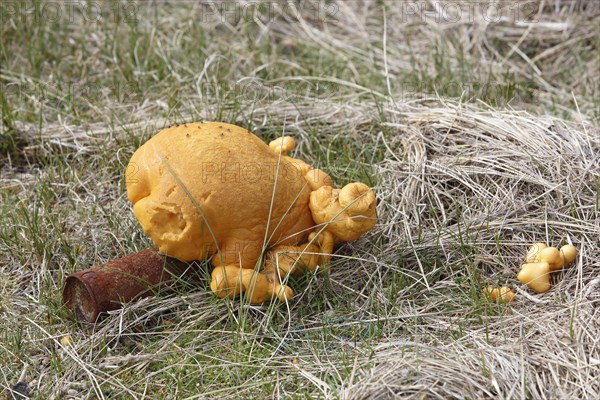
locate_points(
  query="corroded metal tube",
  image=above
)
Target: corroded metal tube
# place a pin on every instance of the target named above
(106, 287)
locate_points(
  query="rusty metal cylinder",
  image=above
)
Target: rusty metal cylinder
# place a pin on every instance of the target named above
(107, 287)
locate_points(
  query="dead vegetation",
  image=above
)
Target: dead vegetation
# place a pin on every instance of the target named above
(478, 133)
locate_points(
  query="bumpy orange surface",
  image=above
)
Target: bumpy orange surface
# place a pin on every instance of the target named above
(231, 174)
(216, 190)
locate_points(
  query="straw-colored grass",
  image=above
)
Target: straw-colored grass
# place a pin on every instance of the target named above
(479, 135)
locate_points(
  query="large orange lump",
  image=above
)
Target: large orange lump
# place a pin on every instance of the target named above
(215, 190)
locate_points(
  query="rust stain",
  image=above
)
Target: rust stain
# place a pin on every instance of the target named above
(106, 287)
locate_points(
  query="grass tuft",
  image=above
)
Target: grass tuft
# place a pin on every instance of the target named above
(479, 136)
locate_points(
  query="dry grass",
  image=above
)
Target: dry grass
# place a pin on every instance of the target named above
(464, 184)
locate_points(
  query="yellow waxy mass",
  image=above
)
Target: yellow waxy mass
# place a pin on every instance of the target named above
(215, 190)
